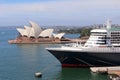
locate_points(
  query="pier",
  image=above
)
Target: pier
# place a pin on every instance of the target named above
(113, 72)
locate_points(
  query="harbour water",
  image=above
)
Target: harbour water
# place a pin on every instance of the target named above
(22, 61)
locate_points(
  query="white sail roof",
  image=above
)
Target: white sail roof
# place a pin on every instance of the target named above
(36, 29)
(46, 33)
(21, 31)
(27, 30)
(32, 32)
(54, 34)
(59, 35)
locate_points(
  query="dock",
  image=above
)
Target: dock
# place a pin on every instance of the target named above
(99, 69)
(113, 72)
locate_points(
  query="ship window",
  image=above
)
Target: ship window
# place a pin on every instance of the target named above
(102, 37)
(101, 40)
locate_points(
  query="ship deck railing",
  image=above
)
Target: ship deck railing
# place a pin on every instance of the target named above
(103, 49)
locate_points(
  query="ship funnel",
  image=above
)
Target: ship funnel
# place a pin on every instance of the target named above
(108, 24)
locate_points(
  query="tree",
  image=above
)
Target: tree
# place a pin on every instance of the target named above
(85, 32)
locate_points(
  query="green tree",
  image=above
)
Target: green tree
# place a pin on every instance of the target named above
(85, 32)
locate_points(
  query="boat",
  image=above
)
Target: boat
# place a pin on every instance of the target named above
(101, 49)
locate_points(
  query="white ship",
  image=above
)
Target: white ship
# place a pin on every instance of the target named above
(101, 49)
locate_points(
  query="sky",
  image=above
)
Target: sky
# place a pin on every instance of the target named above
(58, 12)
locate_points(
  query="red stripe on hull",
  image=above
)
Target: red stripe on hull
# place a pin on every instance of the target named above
(75, 65)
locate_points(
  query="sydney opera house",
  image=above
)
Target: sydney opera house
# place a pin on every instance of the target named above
(35, 34)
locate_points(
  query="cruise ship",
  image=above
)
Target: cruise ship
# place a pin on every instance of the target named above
(101, 49)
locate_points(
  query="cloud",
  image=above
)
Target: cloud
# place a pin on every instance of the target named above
(63, 10)
(66, 6)
(20, 8)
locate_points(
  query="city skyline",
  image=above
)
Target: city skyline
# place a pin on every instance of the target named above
(58, 12)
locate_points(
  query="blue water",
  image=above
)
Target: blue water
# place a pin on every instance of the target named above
(22, 61)
(72, 36)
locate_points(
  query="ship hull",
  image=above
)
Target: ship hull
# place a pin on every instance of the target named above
(86, 59)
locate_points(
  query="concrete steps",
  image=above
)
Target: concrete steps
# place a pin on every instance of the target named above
(113, 72)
